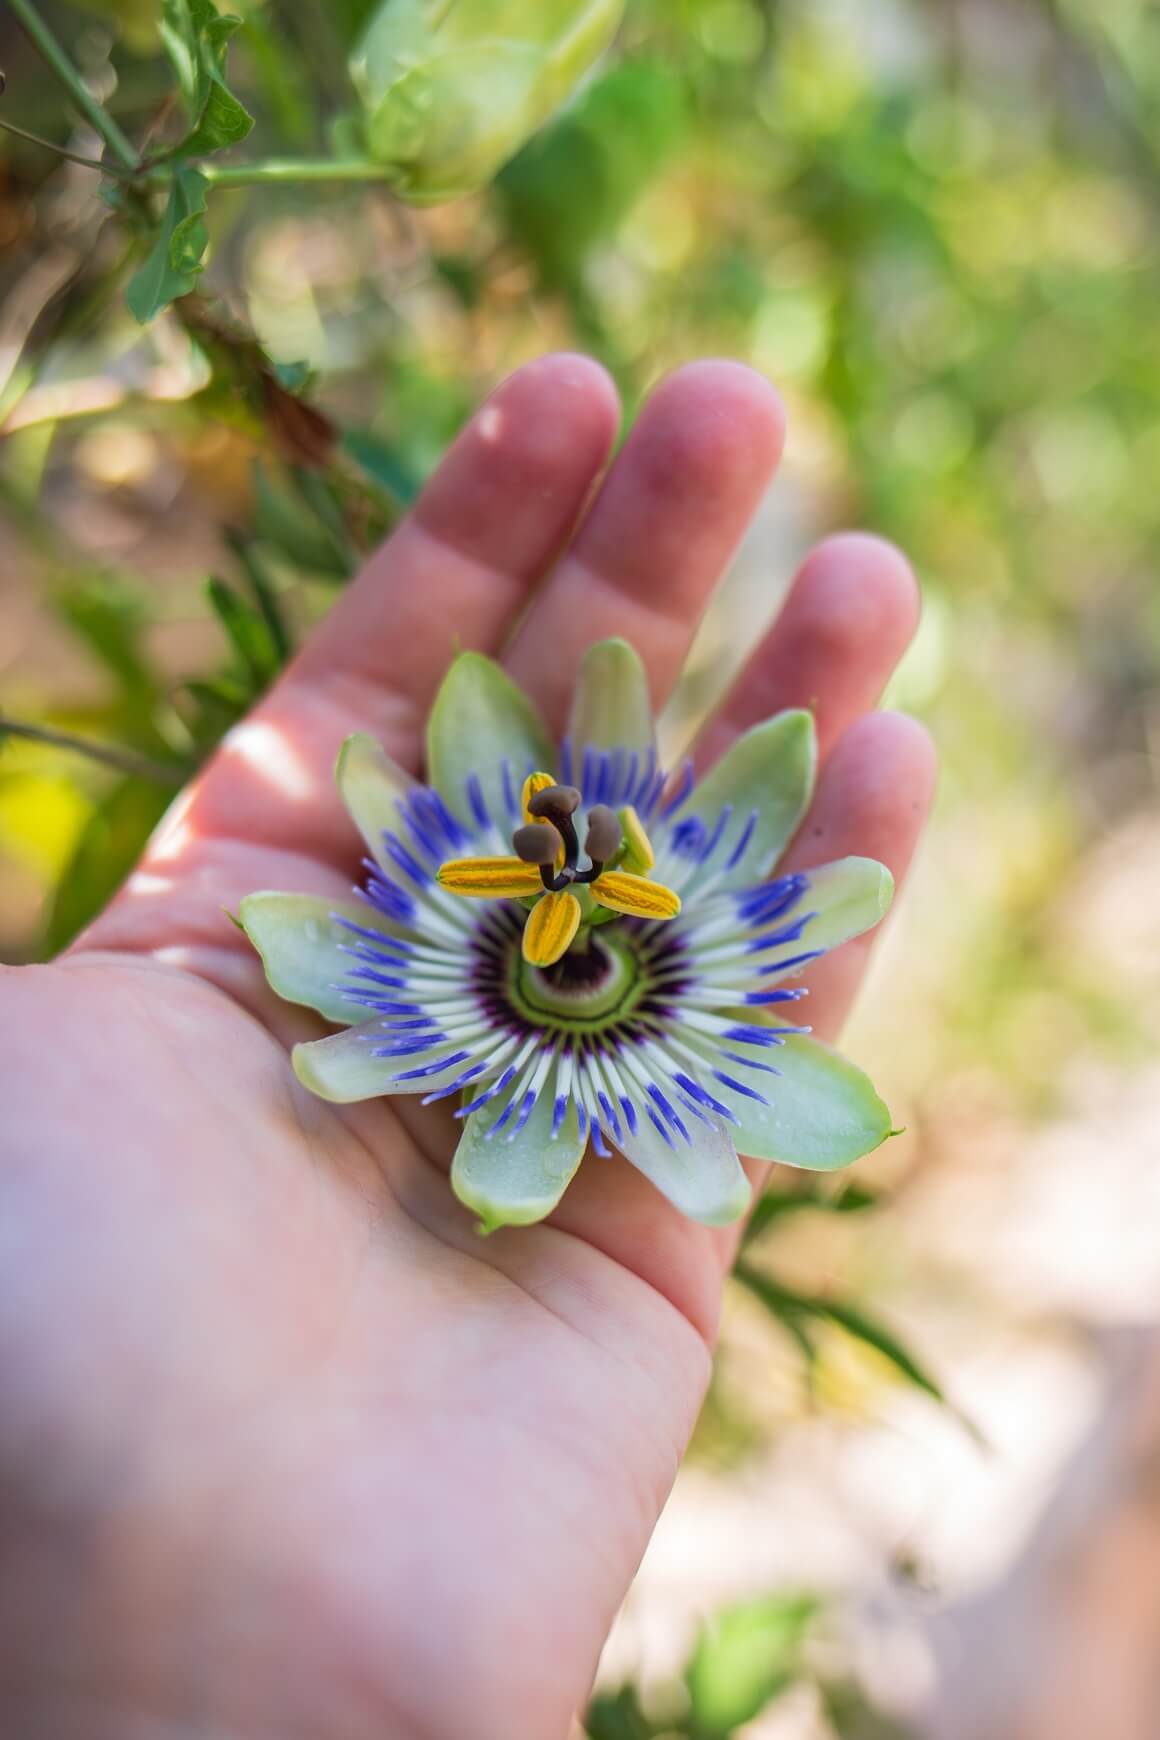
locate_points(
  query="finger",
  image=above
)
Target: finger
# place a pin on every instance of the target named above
(659, 534)
(482, 533)
(872, 801)
(849, 616)
(453, 576)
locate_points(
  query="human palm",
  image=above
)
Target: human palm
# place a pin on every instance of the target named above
(287, 1449)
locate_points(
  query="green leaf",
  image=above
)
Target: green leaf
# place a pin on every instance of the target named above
(300, 941)
(265, 594)
(618, 1716)
(867, 1329)
(777, 1205)
(610, 706)
(768, 773)
(823, 1112)
(745, 1658)
(479, 720)
(218, 703)
(173, 263)
(110, 844)
(786, 1304)
(110, 618)
(223, 123)
(515, 1179)
(380, 461)
(292, 527)
(248, 634)
(196, 38)
(371, 785)
(704, 1178)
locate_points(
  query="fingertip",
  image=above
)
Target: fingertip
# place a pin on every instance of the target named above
(874, 794)
(860, 588)
(558, 412)
(903, 749)
(570, 373)
(514, 480)
(719, 418)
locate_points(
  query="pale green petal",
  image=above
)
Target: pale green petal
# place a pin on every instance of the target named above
(849, 896)
(515, 1180)
(705, 1181)
(769, 770)
(344, 1067)
(371, 785)
(610, 705)
(479, 720)
(300, 942)
(822, 1114)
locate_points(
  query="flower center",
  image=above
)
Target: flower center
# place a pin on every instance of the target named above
(582, 992)
(565, 898)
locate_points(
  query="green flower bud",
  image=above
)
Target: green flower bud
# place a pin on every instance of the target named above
(452, 88)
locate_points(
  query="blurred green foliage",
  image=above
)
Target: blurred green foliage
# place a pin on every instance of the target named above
(744, 1660)
(936, 228)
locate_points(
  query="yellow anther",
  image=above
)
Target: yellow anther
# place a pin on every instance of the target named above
(552, 923)
(623, 892)
(534, 783)
(638, 855)
(490, 878)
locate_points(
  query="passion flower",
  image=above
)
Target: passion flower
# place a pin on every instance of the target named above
(573, 947)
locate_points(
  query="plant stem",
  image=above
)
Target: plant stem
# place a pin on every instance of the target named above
(103, 168)
(109, 754)
(90, 108)
(291, 169)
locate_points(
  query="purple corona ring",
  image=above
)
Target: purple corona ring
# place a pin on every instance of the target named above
(569, 947)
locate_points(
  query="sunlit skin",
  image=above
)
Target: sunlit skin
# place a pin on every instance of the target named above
(286, 1448)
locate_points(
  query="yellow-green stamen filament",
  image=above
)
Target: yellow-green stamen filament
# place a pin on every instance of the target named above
(639, 855)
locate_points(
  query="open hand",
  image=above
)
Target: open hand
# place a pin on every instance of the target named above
(286, 1449)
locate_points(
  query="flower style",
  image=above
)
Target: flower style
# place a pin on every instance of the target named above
(581, 949)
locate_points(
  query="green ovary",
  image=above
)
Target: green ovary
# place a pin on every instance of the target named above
(570, 998)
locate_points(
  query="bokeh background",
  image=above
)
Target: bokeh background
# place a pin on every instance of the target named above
(936, 225)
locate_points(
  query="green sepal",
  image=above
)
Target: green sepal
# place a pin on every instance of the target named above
(299, 939)
(770, 770)
(611, 708)
(480, 718)
(371, 786)
(823, 1111)
(515, 1180)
